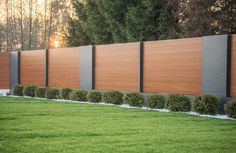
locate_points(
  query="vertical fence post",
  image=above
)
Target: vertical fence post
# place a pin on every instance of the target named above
(140, 72)
(46, 67)
(19, 67)
(14, 71)
(93, 66)
(229, 47)
(86, 67)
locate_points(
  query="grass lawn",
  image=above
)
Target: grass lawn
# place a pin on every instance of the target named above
(40, 126)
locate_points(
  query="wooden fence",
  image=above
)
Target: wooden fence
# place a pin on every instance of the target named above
(116, 67)
(32, 65)
(4, 70)
(173, 66)
(166, 66)
(233, 67)
(63, 67)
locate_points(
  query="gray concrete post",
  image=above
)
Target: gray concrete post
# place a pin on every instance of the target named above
(14, 70)
(215, 61)
(86, 67)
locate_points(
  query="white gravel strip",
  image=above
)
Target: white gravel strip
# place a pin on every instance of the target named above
(145, 108)
(4, 92)
(82, 102)
(218, 116)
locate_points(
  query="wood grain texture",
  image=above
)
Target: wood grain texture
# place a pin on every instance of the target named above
(32, 67)
(173, 66)
(233, 67)
(4, 71)
(64, 67)
(116, 67)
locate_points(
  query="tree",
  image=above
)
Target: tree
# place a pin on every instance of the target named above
(199, 17)
(2, 37)
(21, 25)
(30, 21)
(114, 13)
(33, 24)
(76, 35)
(89, 26)
(149, 20)
(104, 21)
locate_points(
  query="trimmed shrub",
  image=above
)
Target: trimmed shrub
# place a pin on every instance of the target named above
(78, 95)
(18, 90)
(178, 103)
(52, 93)
(29, 90)
(94, 96)
(230, 109)
(206, 104)
(134, 99)
(156, 101)
(65, 93)
(40, 92)
(114, 97)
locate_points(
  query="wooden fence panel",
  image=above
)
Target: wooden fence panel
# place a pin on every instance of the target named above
(116, 67)
(32, 67)
(4, 71)
(63, 67)
(173, 66)
(233, 67)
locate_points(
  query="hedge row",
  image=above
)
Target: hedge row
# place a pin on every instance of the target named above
(204, 104)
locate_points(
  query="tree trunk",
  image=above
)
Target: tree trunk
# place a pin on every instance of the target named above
(30, 23)
(21, 25)
(45, 24)
(50, 24)
(7, 28)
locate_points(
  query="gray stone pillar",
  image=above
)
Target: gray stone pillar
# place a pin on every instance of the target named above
(215, 61)
(86, 67)
(14, 70)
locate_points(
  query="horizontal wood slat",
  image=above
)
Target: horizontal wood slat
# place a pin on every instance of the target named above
(172, 66)
(116, 67)
(4, 71)
(32, 67)
(233, 67)
(64, 67)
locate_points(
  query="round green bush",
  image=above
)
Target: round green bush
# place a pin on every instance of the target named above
(134, 99)
(94, 96)
(18, 90)
(230, 108)
(78, 95)
(156, 101)
(29, 90)
(114, 97)
(206, 104)
(178, 103)
(52, 93)
(40, 92)
(64, 93)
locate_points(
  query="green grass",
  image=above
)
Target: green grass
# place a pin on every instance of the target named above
(38, 126)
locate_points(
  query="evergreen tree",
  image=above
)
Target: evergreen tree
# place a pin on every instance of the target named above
(105, 21)
(76, 35)
(149, 20)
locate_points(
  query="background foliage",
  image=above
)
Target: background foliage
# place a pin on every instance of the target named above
(104, 21)
(39, 24)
